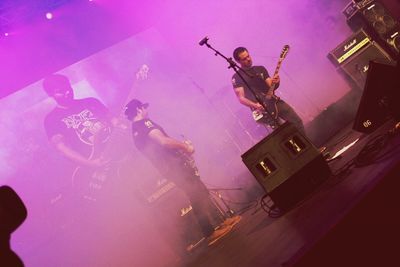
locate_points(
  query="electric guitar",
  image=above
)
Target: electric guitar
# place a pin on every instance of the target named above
(269, 98)
(109, 144)
(188, 160)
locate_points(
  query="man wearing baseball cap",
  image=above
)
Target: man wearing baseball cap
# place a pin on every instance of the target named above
(172, 159)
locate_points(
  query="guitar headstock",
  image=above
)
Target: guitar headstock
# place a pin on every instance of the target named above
(142, 73)
(285, 51)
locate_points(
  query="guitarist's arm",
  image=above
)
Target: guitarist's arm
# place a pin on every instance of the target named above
(166, 141)
(245, 101)
(75, 156)
(274, 80)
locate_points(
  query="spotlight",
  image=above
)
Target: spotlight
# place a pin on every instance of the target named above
(49, 15)
(6, 34)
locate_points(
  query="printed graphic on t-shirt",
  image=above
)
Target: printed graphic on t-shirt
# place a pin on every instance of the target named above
(87, 127)
(148, 124)
(234, 81)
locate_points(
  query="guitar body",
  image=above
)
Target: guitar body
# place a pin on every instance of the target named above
(271, 115)
(88, 182)
(188, 160)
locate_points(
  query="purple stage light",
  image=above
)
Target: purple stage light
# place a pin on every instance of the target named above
(49, 15)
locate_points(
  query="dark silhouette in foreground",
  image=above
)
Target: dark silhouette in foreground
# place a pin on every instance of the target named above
(12, 214)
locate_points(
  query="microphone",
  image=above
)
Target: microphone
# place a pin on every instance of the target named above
(203, 41)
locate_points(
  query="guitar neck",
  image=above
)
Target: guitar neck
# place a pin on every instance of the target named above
(270, 92)
(278, 67)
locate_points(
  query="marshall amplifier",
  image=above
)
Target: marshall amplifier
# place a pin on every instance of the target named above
(352, 57)
(349, 47)
(172, 215)
(352, 8)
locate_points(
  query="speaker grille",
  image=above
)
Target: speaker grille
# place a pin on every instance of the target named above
(356, 68)
(377, 16)
(378, 21)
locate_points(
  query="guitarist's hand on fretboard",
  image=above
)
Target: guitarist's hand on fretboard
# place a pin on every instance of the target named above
(276, 79)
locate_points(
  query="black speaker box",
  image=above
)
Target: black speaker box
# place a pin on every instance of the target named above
(287, 165)
(380, 96)
(379, 22)
(356, 68)
(172, 214)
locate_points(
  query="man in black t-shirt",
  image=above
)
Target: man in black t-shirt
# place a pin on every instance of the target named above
(172, 158)
(75, 126)
(80, 129)
(260, 81)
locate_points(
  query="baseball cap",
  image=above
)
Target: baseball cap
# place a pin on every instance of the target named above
(130, 108)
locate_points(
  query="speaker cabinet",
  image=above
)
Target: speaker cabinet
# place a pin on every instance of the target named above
(379, 100)
(356, 68)
(394, 41)
(287, 165)
(172, 214)
(354, 54)
(378, 21)
(175, 219)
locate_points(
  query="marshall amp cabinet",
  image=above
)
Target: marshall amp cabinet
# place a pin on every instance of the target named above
(173, 215)
(354, 6)
(352, 57)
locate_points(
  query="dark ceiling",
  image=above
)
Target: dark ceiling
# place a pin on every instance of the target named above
(36, 46)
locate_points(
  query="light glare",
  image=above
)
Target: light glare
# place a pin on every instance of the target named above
(49, 15)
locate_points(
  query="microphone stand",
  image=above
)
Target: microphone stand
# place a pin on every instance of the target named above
(236, 68)
(230, 212)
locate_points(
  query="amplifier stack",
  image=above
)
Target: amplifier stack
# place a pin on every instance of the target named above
(376, 38)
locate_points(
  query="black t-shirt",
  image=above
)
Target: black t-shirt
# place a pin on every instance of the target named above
(78, 124)
(168, 161)
(256, 80)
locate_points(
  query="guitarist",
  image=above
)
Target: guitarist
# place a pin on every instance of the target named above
(81, 130)
(74, 126)
(172, 158)
(258, 78)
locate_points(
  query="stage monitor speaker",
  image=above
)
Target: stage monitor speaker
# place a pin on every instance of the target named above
(379, 101)
(287, 165)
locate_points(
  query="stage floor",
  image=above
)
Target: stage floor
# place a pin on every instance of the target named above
(350, 220)
(259, 240)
